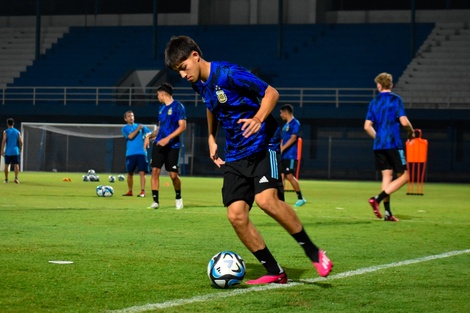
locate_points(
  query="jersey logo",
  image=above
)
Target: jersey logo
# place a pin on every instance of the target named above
(221, 96)
(170, 111)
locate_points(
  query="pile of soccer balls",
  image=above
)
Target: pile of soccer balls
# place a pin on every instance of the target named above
(226, 269)
(104, 191)
(90, 176)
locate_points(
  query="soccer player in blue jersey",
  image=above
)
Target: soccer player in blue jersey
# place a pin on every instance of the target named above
(385, 115)
(136, 155)
(167, 144)
(12, 143)
(289, 139)
(241, 104)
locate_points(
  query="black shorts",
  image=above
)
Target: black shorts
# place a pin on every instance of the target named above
(288, 166)
(165, 155)
(390, 159)
(12, 159)
(245, 178)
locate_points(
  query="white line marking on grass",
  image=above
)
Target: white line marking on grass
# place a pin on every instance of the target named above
(235, 292)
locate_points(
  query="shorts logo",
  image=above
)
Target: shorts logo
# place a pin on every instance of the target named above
(221, 96)
(263, 180)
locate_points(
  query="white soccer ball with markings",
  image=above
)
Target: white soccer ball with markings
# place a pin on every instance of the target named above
(108, 191)
(226, 269)
(121, 178)
(99, 190)
(112, 178)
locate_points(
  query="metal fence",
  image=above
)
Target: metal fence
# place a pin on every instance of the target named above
(139, 95)
(133, 95)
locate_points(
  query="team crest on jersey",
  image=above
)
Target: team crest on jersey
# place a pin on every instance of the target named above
(170, 111)
(221, 96)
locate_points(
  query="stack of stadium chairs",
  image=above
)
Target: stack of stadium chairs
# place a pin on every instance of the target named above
(17, 46)
(438, 74)
(316, 55)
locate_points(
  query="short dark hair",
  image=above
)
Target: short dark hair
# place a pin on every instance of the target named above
(10, 121)
(287, 107)
(178, 49)
(127, 112)
(166, 87)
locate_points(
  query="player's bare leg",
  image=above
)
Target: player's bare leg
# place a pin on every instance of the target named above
(238, 215)
(142, 184)
(130, 183)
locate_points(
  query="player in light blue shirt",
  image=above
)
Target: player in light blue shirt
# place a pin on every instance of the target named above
(12, 144)
(385, 116)
(241, 103)
(136, 154)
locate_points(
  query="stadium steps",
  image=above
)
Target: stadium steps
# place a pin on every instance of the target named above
(440, 69)
(18, 45)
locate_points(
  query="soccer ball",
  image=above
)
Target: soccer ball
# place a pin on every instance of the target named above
(112, 178)
(108, 191)
(91, 172)
(226, 269)
(93, 177)
(86, 178)
(121, 177)
(99, 191)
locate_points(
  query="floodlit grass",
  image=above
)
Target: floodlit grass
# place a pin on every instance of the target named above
(125, 255)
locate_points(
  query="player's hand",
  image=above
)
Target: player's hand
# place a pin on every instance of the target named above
(140, 127)
(147, 142)
(163, 142)
(214, 155)
(250, 126)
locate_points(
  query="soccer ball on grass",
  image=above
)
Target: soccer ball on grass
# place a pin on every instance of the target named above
(104, 191)
(112, 178)
(121, 177)
(226, 269)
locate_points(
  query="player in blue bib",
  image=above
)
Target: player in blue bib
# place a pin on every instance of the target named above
(136, 155)
(241, 104)
(12, 143)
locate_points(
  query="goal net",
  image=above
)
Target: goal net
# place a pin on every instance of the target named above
(73, 147)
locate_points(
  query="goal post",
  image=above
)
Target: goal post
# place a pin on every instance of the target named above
(68, 147)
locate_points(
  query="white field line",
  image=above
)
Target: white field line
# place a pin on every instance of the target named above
(235, 292)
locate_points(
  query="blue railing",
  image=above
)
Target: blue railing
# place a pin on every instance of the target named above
(133, 95)
(297, 96)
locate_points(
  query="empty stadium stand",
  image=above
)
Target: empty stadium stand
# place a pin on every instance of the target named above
(18, 46)
(438, 76)
(316, 55)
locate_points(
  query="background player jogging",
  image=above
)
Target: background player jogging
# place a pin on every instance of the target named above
(242, 104)
(385, 115)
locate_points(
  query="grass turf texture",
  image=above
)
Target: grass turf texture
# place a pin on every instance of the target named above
(125, 255)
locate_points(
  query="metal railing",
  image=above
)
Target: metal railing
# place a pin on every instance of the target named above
(136, 95)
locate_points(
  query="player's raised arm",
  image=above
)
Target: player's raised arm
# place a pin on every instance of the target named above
(267, 105)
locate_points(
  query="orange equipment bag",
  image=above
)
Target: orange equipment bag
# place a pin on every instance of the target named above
(416, 159)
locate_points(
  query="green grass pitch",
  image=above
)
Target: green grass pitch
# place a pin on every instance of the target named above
(130, 259)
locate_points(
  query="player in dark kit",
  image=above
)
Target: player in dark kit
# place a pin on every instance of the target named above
(385, 115)
(242, 104)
